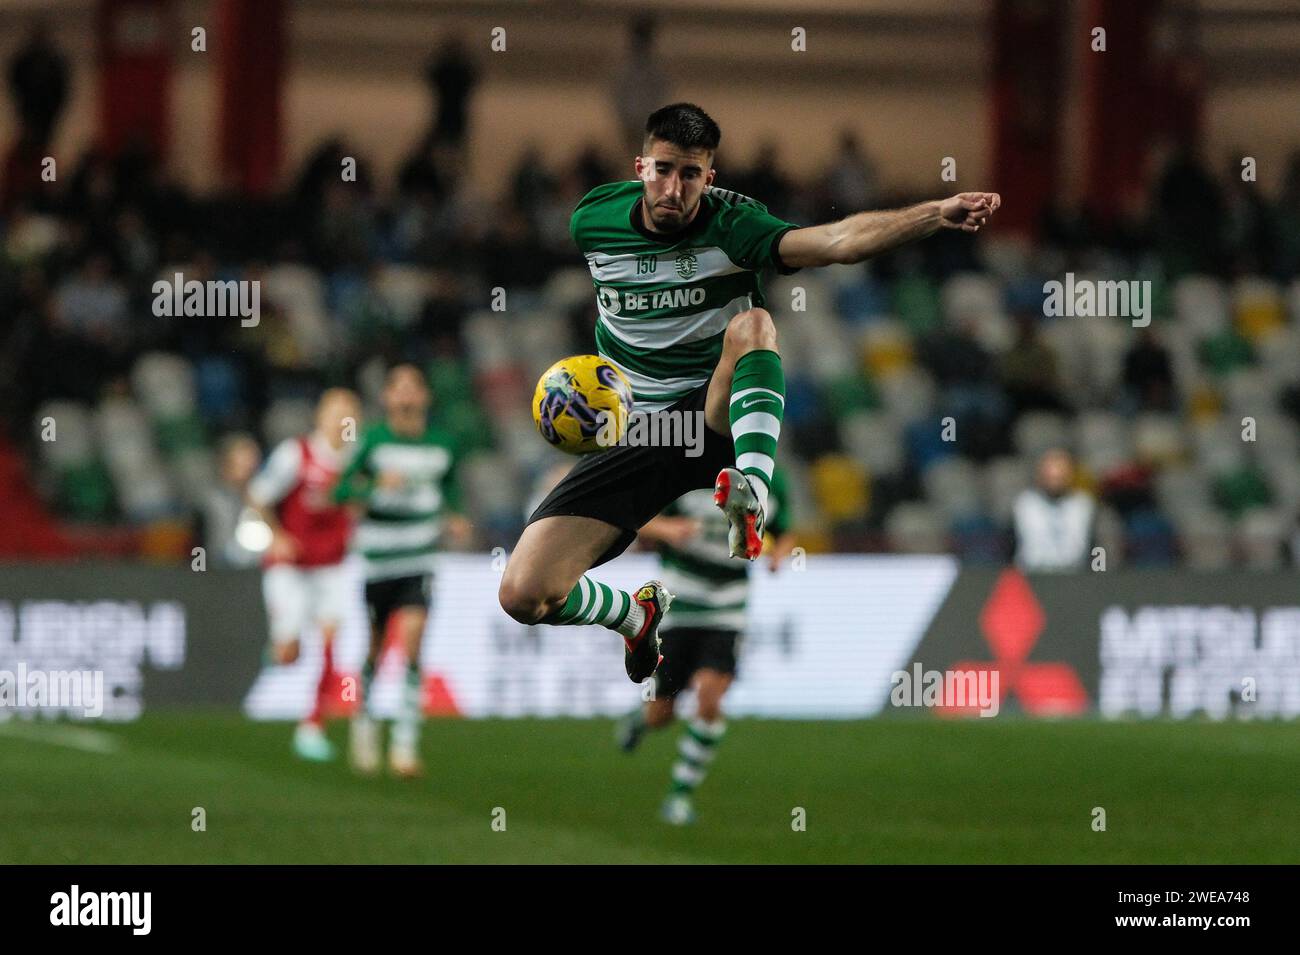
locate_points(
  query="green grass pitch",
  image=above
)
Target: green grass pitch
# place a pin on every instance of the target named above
(881, 791)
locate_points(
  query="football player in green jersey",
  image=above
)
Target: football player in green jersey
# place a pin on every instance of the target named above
(678, 268)
(403, 482)
(703, 634)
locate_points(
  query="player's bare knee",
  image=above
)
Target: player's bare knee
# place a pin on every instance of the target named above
(286, 653)
(525, 601)
(750, 330)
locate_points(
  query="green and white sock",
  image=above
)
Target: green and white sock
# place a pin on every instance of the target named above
(406, 728)
(695, 752)
(591, 602)
(756, 408)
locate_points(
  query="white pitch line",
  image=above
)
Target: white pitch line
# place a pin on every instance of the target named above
(73, 737)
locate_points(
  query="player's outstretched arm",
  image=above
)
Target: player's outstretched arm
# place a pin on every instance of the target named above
(861, 236)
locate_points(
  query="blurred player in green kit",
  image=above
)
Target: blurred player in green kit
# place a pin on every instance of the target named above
(702, 634)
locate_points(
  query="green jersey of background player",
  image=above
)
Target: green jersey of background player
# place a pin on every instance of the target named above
(702, 634)
(678, 268)
(402, 482)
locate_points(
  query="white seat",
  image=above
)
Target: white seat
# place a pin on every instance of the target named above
(976, 299)
(873, 439)
(1283, 478)
(914, 528)
(1202, 303)
(164, 385)
(1276, 437)
(909, 396)
(1246, 392)
(403, 289)
(952, 485)
(1158, 438)
(123, 433)
(72, 430)
(831, 355)
(969, 296)
(1101, 439)
(1004, 478)
(1259, 535)
(145, 494)
(487, 339)
(995, 332)
(1278, 374)
(1219, 447)
(1039, 431)
(1183, 490)
(298, 292)
(1207, 540)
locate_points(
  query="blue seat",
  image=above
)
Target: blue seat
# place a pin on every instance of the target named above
(1151, 541)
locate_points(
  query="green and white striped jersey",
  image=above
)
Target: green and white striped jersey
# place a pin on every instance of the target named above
(709, 587)
(398, 534)
(665, 300)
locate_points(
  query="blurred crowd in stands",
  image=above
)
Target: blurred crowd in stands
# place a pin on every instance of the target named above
(160, 419)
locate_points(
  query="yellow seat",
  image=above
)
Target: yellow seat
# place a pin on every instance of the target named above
(840, 487)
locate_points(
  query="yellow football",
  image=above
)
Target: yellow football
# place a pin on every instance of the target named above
(582, 404)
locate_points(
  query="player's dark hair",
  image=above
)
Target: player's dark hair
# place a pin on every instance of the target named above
(684, 125)
(398, 366)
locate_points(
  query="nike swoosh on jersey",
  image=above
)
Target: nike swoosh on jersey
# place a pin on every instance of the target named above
(753, 401)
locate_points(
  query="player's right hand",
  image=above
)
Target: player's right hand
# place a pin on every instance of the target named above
(283, 547)
(968, 211)
(390, 480)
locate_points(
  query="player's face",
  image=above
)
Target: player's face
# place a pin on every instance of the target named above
(241, 463)
(675, 179)
(406, 393)
(336, 409)
(1054, 472)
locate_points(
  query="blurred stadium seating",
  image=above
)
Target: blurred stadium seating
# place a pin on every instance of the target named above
(357, 275)
(878, 358)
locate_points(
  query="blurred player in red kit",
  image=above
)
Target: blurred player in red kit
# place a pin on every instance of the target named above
(303, 582)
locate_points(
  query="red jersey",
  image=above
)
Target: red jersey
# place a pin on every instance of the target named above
(299, 481)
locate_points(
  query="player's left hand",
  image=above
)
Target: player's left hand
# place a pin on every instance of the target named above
(968, 211)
